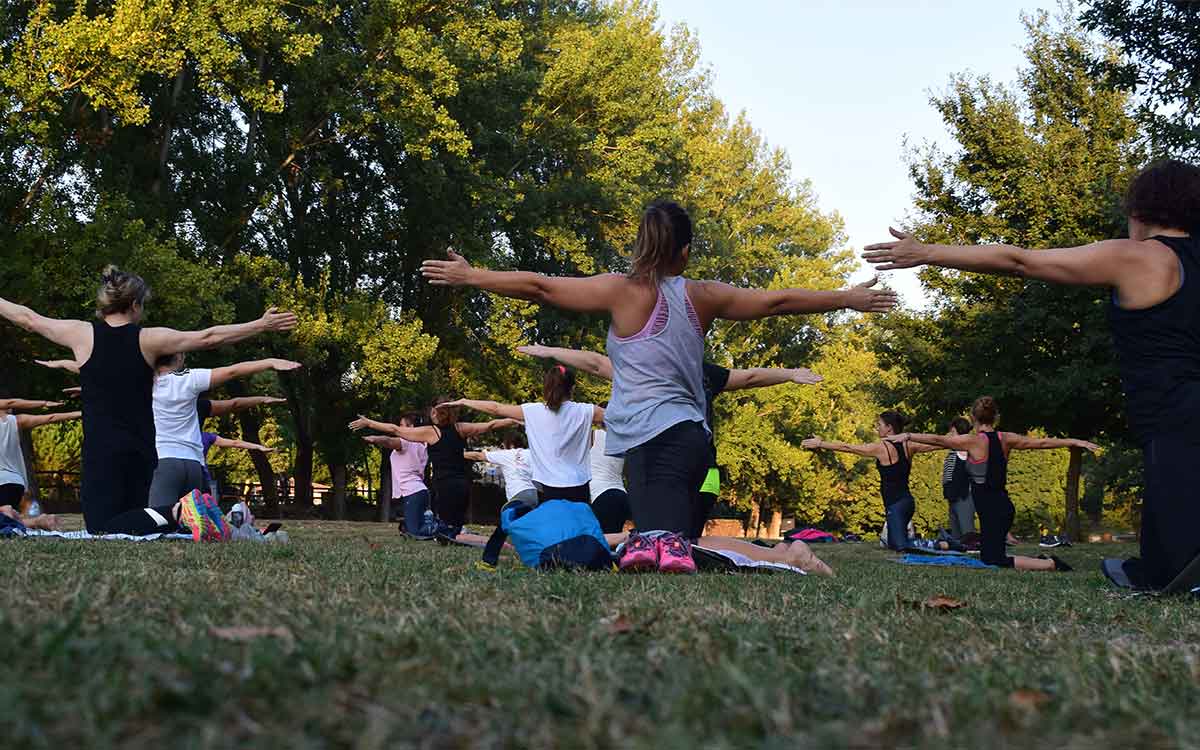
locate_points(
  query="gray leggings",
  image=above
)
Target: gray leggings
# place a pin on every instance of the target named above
(174, 478)
(962, 516)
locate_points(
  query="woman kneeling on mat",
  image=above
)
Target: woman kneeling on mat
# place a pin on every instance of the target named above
(559, 432)
(987, 463)
(656, 417)
(117, 356)
(1154, 314)
(894, 463)
(445, 441)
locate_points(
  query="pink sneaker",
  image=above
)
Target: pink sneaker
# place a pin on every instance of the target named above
(675, 554)
(640, 553)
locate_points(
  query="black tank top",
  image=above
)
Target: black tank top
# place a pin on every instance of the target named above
(118, 388)
(446, 455)
(996, 478)
(893, 480)
(1158, 353)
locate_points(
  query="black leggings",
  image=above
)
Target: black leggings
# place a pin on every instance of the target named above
(1170, 512)
(996, 513)
(898, 516)
(450, 499)
(578, 494)
(665, 475)
(612, 510)
(113, 482)
(11, 494)
(143, 521)
(702, 506)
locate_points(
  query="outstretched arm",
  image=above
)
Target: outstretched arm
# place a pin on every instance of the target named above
(475, 429)
(949, 442)
(479, 456)
(578, 293)
(714, 299)
(593, 363)
(221, 442)
(425, 434)
(231, 405)
(765, 377)
(29, 421)
(385, 441)
(1128, 265)
(24, 404)
(507, 411)
(72, 334)
(1026, 443)
(222, 375)
(870, 450)
(159, 341)
(69, 365)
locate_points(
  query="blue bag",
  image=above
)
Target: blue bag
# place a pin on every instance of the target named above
(555, 534)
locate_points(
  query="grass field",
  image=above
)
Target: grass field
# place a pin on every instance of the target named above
(369, 641)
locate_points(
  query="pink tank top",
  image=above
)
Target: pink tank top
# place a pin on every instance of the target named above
(408, 469)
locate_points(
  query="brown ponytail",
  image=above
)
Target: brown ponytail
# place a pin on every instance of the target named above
(985, 411)
(895, 420)
(119, 292)
(663, 234)
(557, 386)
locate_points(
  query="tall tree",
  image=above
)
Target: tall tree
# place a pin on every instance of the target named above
(1041, 164)
(1160, 62)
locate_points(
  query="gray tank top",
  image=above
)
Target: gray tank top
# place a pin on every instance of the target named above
(658, 378)
(12, 460)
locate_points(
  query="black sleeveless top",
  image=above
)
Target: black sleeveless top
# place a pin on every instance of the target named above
(893, 480)
(446, 455)
(1158, 353)
(996, 477)
(118, 388)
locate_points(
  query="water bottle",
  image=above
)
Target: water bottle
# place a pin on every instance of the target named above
(428, 524)
(35, 509)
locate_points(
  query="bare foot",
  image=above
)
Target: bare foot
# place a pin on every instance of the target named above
(802, 556)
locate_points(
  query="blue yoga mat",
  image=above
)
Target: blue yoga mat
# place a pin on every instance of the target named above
(945, 561)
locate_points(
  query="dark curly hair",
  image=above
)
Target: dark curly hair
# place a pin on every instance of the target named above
(1165, 194)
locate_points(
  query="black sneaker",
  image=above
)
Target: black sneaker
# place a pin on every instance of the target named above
(1059, 564)
(1051, 540)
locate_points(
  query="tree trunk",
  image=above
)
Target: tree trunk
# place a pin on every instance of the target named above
(251, 424)
(385, 483)
(753, 522)
(302, 473)
(775, 525)
(1071, 522)
(339, 491)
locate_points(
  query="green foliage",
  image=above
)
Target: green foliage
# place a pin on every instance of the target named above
(1160, 62)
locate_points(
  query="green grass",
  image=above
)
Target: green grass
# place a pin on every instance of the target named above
(389, 643)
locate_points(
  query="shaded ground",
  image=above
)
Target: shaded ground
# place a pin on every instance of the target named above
(370, 641)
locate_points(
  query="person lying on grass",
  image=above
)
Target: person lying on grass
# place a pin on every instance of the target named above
(43, 522)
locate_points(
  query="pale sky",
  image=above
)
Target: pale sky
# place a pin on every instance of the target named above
(839, 85)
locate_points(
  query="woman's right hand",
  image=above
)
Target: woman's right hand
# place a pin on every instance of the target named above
(864, 298)
(285, 365)
(362, 423)
(273, 320)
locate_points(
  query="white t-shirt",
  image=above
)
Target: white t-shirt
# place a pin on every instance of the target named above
(176, 424)
(608, 472)
(12, 460)
(514, 467)
(559, 442)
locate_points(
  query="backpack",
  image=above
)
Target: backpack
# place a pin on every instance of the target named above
(556, 534)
